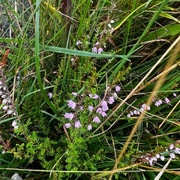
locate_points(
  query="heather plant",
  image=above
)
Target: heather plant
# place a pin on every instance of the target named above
(89, 90)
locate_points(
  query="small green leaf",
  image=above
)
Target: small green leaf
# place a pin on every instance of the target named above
(169, 30)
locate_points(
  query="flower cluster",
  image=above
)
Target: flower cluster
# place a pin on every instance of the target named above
(97, 49)
(138, 112)
(96, 110)
(157, 102)
(6, 100)
(170, 152)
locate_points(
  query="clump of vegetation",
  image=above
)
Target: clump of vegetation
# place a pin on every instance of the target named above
(89, 89)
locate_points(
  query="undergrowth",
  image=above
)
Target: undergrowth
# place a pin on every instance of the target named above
(89, 89)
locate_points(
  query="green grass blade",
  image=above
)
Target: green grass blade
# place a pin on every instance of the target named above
(37, 51)
(80, 53)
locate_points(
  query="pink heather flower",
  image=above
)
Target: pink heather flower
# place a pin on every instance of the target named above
(69, 116)
(167, 100)
(157, 156)
(174, 94)
(154, 159)
(9, 111)
(16, 127)
(104, 106)
(97, 43)
(171, 146)
(96, 120)
(5, 101)
(50, 95)
(71, 104)
(90, 108)
(172, 155)
(67, 125)
(148, 108)
(111, 100)
(5, 108)
(141, 109)
(144, 106)
(99, 110)
(93, 96)
(162, 158)
(117, 88)
(78, 42)
(14, 123)
(135, 112)
(177, 150)
(103, 114)
(131, 113)
(158, 103)
(128, 115)
(77, 124)
(100, 50)
(151, 162)
(89, 127)
(95, 50)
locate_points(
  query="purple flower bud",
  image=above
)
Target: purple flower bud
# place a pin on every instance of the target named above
(103, 114)
(151, 162)
(99, 110)
(162, 158)
(157, 156)
(77, 124)
(174, 94)
(172, 155)
(144, 106)
(4, 101)
(95, 50)
(69, 116)
(135, 112)
(78, 42)
(167, 100)
(71, 104)
(157, 104)
(50, 95)
(9, 111)
(128, 115)
(14, 123)
(171, 146)
(93, 96)
(154, 158)
(160, 101)
(5, 108)
(67, 125)
(96, 120)
(117, 88)
(177, 150)
(131, 113)
(111, 100)
(90, 108)
(104, 106)
(89, 127)
(100, 50)
(148, 107)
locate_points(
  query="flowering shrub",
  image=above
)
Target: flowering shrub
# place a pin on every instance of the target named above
(152, 158)
(95, 111)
